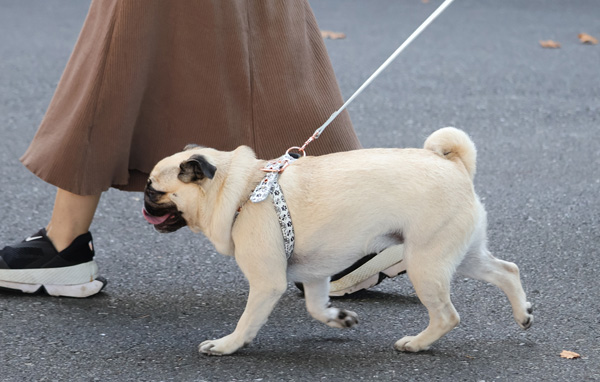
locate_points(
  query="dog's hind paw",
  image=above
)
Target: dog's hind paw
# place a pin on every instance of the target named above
(526, 321)
(207, 347)
(407, 344)
(342, 318)
(222, 346)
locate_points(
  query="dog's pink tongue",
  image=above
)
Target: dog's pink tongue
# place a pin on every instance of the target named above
(154, 219)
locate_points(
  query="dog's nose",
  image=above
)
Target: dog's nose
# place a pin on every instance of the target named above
(151, 193)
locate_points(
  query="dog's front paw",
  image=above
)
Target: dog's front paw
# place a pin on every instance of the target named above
(222, 346)
(341, 318)
(409, 344)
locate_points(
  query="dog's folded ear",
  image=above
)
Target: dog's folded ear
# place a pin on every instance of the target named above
(196, 168)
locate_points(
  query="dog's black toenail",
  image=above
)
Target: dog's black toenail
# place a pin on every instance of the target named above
(342, 315)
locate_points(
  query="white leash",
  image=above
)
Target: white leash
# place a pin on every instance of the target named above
(410, 39)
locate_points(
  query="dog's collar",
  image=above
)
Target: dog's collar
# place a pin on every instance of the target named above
(269, 185)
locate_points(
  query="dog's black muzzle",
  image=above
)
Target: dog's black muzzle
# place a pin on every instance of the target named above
(163, 215)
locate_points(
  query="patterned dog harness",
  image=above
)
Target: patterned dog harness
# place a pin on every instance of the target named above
(270, 185)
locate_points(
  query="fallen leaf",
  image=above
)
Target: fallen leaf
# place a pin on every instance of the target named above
(569, 354)
(425, 1)
(549, 44)
(332, 35)
(587, 39)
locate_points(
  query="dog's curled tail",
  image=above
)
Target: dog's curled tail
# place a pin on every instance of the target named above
(455, 145)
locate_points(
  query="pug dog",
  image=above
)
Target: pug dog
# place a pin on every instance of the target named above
(343, 206)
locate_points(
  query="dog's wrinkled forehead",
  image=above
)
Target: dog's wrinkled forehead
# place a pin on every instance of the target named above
(163, 176)
(188, 166)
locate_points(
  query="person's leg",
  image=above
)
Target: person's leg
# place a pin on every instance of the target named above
(59, 258)
(72, 216)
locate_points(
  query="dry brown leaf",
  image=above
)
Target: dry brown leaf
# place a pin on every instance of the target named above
(549, 44)
(333, 35)
(569, 354)
(425, 1)
(587, 39)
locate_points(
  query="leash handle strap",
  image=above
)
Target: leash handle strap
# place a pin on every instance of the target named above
(410, 39)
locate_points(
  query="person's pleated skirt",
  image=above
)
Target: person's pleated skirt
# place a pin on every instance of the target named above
(147, 77)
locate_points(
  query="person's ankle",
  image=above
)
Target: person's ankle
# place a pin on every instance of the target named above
(61, 239)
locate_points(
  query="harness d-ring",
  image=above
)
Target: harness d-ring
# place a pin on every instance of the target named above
(300, 151)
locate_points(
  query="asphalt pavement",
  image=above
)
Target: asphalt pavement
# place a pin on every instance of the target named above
(534, 115)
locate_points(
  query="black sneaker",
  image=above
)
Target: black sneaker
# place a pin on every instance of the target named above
(369, 271)
(35, 263)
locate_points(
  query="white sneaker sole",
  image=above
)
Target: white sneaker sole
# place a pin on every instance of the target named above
(76, 274)
(389, 262)
(76, 281)
(77, 290)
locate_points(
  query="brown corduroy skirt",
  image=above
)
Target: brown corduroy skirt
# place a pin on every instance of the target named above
(147, 77)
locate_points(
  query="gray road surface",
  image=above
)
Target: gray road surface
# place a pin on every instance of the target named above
(534, 115)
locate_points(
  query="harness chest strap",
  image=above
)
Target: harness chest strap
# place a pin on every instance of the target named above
(285, 220)
(269, 185)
